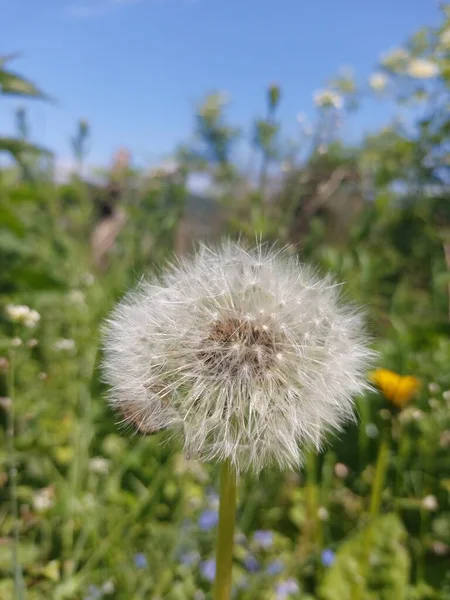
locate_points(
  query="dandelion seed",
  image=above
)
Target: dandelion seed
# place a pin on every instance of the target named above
(246, 351)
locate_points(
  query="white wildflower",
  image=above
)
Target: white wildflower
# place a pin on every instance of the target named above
(446, 395)
(76, 297)
(87, 279)
(341, 470)
(64, 344)
(430, 503)
(434, 388)
(328, 99)
(16, 342)
(372, 430)
(19, 313)
(323, 514)
(99, 465)
(108, 587)
(378, 82)
(395, 59)
(43, 499)
(247, 351)
(420, 68)
(32, 343)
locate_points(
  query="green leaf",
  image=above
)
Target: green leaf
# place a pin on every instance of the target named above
(12, 84)
(386, 573)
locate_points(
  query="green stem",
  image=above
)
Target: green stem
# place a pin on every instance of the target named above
(374, 511)
(18, 582)
(227, 515)
(380, 476)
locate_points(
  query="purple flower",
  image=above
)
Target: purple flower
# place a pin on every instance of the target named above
(140, 560)
(327, 557)
(94, 592)
(208, 569)
(275, 567)
(208, 519)
(189, 558)
(263, 538)
(251, 564)
(285, 588)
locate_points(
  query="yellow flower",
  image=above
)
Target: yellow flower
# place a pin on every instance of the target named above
(398, 389)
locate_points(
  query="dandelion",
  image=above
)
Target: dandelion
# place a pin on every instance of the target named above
(398, 389)
(328, 99)
(420, 68)
(378, 82)
(23, 315)
(246, 352)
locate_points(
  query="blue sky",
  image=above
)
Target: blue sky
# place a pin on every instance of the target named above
(136, 68)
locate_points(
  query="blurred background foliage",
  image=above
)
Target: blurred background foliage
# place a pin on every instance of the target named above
(100, 514)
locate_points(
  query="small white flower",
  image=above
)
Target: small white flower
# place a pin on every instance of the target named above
(87, 279)
(378, 82)
(99, 465)
(395, 58)
(446, 395)
(108, 587)
(43, 500)
(64, 344)
(76, 297)
(247, 351)
(444, 39)
(430, 503)
(341, 470)
(16, 342)
(19, 313)
(434, 388)
(32, 343)
(323, 514)
(422, 69)
(328, 99)
(371, 430)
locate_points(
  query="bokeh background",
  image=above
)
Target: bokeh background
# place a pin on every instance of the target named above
(133, 129)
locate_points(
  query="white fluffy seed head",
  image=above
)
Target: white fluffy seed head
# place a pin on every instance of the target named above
(247, 351)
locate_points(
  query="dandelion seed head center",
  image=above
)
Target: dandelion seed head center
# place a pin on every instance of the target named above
(239, 343)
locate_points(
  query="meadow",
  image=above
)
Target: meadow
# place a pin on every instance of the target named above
(90, 511)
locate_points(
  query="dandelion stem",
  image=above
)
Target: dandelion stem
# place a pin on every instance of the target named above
(227, 514)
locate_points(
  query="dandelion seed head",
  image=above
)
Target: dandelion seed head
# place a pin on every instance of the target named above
(247, 352)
